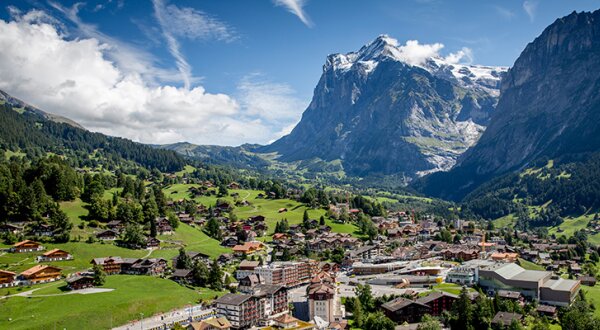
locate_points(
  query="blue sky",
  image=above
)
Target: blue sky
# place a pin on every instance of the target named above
(228, 71)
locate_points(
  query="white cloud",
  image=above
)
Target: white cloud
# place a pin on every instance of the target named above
(187, 23)
(504, 12)
(274, 102)
(129, 59)
(295, 7)
(465, 55)
(82, 83)
(415, 53)
(530, 8)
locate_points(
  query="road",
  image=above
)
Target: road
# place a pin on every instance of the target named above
(164, 320)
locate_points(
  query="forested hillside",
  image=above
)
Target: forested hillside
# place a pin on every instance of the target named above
(565, 187)
(27, 131)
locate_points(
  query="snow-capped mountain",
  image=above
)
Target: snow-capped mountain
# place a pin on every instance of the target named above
(393, 109)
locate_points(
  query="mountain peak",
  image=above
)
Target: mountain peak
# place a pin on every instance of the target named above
(413, 54)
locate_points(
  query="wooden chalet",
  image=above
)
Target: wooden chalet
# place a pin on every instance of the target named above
(7, 279)
(40, 274)
(248, 248)
(26, 246)
(107, 235)
(110, 265)
(55, 255)
(79, 282)
(183, 276)
(153, 266)
(152, 243)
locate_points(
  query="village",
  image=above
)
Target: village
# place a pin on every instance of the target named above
(306, 275)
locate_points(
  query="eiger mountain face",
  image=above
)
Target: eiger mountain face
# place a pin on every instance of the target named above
(379, 114)
(549, 107)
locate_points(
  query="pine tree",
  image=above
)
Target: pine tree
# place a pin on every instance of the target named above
(183, 260)
(357, 314)
(215, 277)
(99, 275)
(322, 221)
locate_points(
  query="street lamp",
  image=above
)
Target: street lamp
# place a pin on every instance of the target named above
(142, 321)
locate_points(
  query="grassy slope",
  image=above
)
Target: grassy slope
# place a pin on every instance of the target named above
(83, 253)
(529, 265)
(193, 239)
(132, 295)
(268, 208)
(593, 294)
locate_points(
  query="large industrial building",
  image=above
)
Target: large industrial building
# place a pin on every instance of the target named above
(532, 284)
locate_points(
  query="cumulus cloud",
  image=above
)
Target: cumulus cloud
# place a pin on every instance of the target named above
(128, 58)
(530, 8)
(415, 53)
(82, 83)
(295, 7)
(465, 55)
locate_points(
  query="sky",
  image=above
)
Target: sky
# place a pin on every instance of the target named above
(228, 72)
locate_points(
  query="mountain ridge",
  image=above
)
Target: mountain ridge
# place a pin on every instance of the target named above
(548, 108)
(380, 112)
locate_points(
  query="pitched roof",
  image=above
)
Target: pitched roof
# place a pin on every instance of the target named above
(506, 318)
(435, 295)
(36, 269)
(25, 242)
(400, 303)
(54, 251)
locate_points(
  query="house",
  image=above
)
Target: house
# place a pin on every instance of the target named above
(79, 282)
(550, 311)
(438, 302)
(194, 256)
(26, 246)
(402, 310)
(182, 276)
(587, 280)
(256, 218)
(54, 255)
(107, 235)
(230, 241)
(110, 265)
(287, 321)
(7, 279)
(504, 257)
(152, 266)
(215, 323)
(248, 248)
(460, 254)
(510, 295)
(152, 243)
(225, 258)
(115, 225)
(163, 226)
(248, 283)
(505, 319)
(40, 274)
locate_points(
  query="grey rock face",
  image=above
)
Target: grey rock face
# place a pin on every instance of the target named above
(549, 107)
(381, 115)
